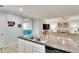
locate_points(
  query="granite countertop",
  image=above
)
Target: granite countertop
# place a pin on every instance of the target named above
(69, 46)
(31, 40)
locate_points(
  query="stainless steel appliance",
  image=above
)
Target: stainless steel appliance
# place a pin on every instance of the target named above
(54, 50)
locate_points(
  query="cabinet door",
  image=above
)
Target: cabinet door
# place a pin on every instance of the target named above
(28, 47)
(21, 45)
(36, 50)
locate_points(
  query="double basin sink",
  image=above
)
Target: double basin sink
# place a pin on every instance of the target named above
(38, 39)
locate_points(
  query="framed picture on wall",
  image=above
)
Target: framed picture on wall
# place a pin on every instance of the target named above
(19, 25)
(11, 23)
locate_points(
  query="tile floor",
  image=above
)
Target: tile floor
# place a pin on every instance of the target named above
(10, 49)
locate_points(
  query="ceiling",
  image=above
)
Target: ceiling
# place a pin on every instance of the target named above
(42, 11)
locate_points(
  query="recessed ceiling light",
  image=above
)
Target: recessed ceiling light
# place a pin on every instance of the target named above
(20, 9)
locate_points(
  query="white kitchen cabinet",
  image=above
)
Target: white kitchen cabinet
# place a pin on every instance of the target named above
(21, 46)
(28, 47)
(31, 47)
(36, 50)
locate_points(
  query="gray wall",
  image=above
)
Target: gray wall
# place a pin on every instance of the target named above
(11, 33)
(37, 26)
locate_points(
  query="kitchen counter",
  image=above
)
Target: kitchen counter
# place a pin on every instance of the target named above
(69, 46)
(31, 40)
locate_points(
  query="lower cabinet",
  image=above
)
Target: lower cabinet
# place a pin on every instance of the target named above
(31, 47)
(36, 50)
(27, 47)
(21, 45)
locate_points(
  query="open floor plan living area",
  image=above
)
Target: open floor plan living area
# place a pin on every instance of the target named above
(39, 28)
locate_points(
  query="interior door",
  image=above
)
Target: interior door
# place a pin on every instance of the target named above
(2, 38)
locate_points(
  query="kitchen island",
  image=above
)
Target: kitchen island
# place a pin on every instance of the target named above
(68, 46)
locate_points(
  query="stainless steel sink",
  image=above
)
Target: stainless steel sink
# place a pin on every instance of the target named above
(38, 39)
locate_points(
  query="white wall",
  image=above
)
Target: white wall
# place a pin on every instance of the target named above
(37, 26)
(11, 33)
(37, 23)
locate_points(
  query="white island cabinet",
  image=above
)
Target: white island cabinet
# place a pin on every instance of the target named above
(31, 47)
(38, 48)
(21, 45)
(28, 47)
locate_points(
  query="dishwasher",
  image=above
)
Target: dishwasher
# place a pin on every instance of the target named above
(49, 49)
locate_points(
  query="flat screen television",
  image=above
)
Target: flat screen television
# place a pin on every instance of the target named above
(46, 26)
